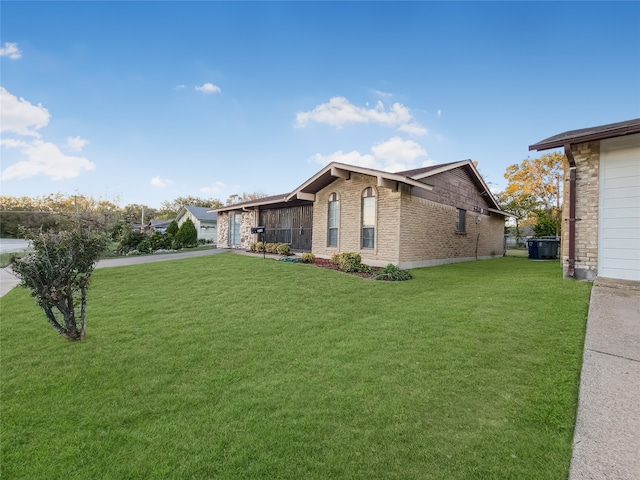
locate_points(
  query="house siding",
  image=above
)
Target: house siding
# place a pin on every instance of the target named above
(206, 229)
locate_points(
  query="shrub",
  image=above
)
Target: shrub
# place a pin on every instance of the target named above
(160, 241)
(187, 235)
(252, 247)
(308, 257)
(335, 258)
(145, 245)
(283, 249)
(393, 273)
(172, 228)
(259, 246)
(129, 240)
(58, 273)
(271, 247)
(350, 262)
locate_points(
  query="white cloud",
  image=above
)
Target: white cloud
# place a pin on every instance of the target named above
(338, 112)
(76, 144)
(393, 155)
(208, 88)
(19, 116)
(382, 94)
(350, 158)
(13, 143)
(215, 188)
(161, 182)
(397, 154)
(44, 158)
(413, 129)
(439, 113)
(10, 50)
(180, 87)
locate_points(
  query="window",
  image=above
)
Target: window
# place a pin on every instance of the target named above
(235, 220)
(333, 220)
(368, 217)
(461, 223)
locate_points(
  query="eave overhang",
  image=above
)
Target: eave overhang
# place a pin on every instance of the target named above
(335, 170)
(585, 135)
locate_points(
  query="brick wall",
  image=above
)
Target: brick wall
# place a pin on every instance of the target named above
(428, 235)
(410, 232)
(349, 234)
(587, 158)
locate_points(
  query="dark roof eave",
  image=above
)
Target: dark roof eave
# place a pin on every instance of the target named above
(584, 135)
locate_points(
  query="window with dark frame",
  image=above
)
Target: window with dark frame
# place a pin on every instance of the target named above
(333, 220)
(368, 218)
(461, 224)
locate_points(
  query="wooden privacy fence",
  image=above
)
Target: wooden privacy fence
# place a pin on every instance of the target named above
(291, 225)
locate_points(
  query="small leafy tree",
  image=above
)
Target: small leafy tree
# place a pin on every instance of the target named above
(187, 235)
(58, 272)
(172, 228)
(546, 224)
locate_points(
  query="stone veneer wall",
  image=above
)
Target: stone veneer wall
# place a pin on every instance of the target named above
(246, 237)
(385, 249)
(428, 235)
(587, 158)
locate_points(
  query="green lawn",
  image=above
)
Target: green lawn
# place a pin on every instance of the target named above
(236, 367)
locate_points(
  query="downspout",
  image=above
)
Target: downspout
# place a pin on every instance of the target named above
(571, 271)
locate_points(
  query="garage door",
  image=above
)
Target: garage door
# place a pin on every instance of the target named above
(619, 212)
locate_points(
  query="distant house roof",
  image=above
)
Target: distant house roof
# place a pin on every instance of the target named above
(589, 134)
(200, 213)
(306, 191)
(159, 223)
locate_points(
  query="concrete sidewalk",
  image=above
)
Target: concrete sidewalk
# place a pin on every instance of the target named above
(606, 442)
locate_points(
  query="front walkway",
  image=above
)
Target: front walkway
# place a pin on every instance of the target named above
(606, 443)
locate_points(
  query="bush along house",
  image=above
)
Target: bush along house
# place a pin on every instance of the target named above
(428, 216)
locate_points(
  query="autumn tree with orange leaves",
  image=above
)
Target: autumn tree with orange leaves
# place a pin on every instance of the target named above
(534, 192)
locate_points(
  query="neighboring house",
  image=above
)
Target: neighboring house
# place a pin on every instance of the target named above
(601, 232)
(427, 216)
(159, 226)
(204, 220)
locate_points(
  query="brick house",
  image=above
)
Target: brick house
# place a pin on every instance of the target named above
(416, 218)
(601, 232)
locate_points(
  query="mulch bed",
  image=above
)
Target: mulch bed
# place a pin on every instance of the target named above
(326, 263)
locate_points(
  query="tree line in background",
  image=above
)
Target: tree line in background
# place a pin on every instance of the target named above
(534, 194)
(55, 211)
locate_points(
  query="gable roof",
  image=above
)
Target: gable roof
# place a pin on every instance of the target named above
(200, 213)
(336, 170)
(306, 191)
(583, 135)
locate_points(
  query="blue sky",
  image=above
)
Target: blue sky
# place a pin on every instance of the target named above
(141, 102)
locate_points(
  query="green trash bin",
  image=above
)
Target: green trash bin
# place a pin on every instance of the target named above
(548, 248)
